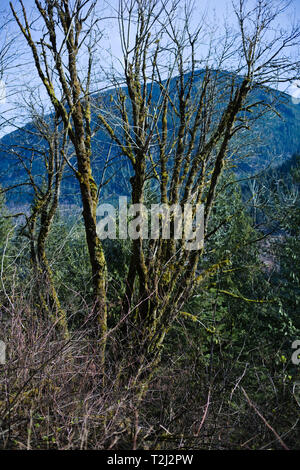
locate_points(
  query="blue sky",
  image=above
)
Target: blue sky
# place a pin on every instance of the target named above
(16, 79)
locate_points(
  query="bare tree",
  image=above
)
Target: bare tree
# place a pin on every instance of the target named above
(190, 94)
(41, 156)
(65, 35)
(183, 107)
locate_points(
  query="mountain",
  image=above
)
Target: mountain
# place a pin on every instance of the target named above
(274, 138)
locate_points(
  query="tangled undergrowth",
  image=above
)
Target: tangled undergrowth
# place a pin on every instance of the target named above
(53, 396)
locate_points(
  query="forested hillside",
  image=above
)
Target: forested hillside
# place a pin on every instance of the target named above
(274, 138)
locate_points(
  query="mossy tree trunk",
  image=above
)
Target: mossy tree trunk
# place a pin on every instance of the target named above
(70, 97)
(43, 209)
(176, 125)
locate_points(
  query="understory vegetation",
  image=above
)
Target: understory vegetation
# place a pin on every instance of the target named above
(225, 380)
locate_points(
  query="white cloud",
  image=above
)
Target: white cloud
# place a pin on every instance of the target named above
(2, 92)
